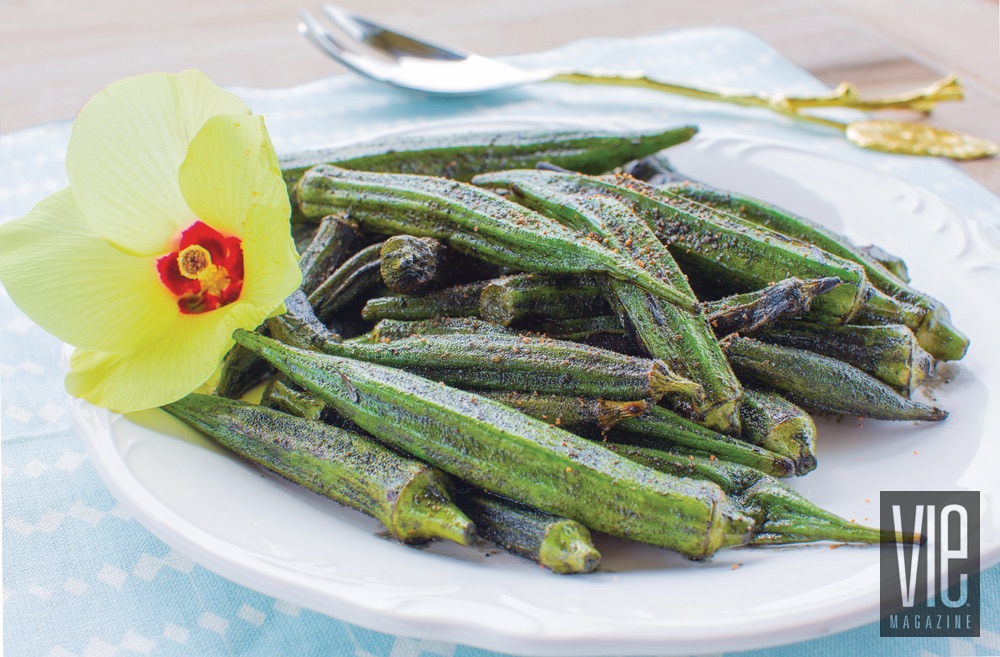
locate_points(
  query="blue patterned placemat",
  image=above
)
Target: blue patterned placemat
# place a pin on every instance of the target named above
(81, 578)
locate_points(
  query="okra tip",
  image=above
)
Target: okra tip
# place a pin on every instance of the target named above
(567, 549)
(939, 337)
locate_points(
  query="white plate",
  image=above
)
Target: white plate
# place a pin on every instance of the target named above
(262, 532)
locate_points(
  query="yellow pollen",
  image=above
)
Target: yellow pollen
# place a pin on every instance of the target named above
(195, 262)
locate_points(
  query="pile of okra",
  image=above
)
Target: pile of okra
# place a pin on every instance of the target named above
(523, 338)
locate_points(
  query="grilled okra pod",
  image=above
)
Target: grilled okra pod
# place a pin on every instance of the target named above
(820, 382)
(359, 274)
(889, 353)
(495, 448)
(684, 340)
(525, 298)
(462, 156)
(931, 323)
(573, 412)
(662, 427)
(526, 364)
(470, 220)
(455, 301)
(779, 426)
(298, 325)
(579, 328)
(708, 242)
(335, 240)
(410, 498)
(744, 313)
(561, 545)
(394, 329)
(782, 516)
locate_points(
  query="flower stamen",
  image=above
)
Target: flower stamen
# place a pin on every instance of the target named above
(206, 272)
(193, 260)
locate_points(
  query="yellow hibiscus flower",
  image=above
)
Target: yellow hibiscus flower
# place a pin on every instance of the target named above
(173, 232)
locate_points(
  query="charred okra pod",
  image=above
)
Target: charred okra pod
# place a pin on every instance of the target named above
(335, 240)
(394, 329)
(463, 156)
(578, 329)
(563, 546)
(352, 279)
(681, 338)
(662, 427)
(573, 412)
(526, 364)
(240, 369)
(495, 448)
(781, 515)
(470, 220)
(456, 301)
(779, 426)
(820, 382)
(931, 323)
(410, 498)
(889, 353)
(520, 300)
(708, 242)
(744, 313)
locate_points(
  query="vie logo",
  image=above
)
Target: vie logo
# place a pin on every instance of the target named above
(930, 588)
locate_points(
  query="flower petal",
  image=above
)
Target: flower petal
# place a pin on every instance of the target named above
(126, 147)
(250, 201)
(270, 261)
(231, 166)
(76, 285)
(163, 370)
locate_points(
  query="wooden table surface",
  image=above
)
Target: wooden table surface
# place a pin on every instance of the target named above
(55, 54)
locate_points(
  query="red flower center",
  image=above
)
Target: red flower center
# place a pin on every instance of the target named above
(206, 272)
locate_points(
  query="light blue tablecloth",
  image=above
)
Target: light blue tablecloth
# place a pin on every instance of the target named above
(82, 578)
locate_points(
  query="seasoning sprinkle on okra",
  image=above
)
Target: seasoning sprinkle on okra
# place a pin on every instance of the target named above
(557, 353)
